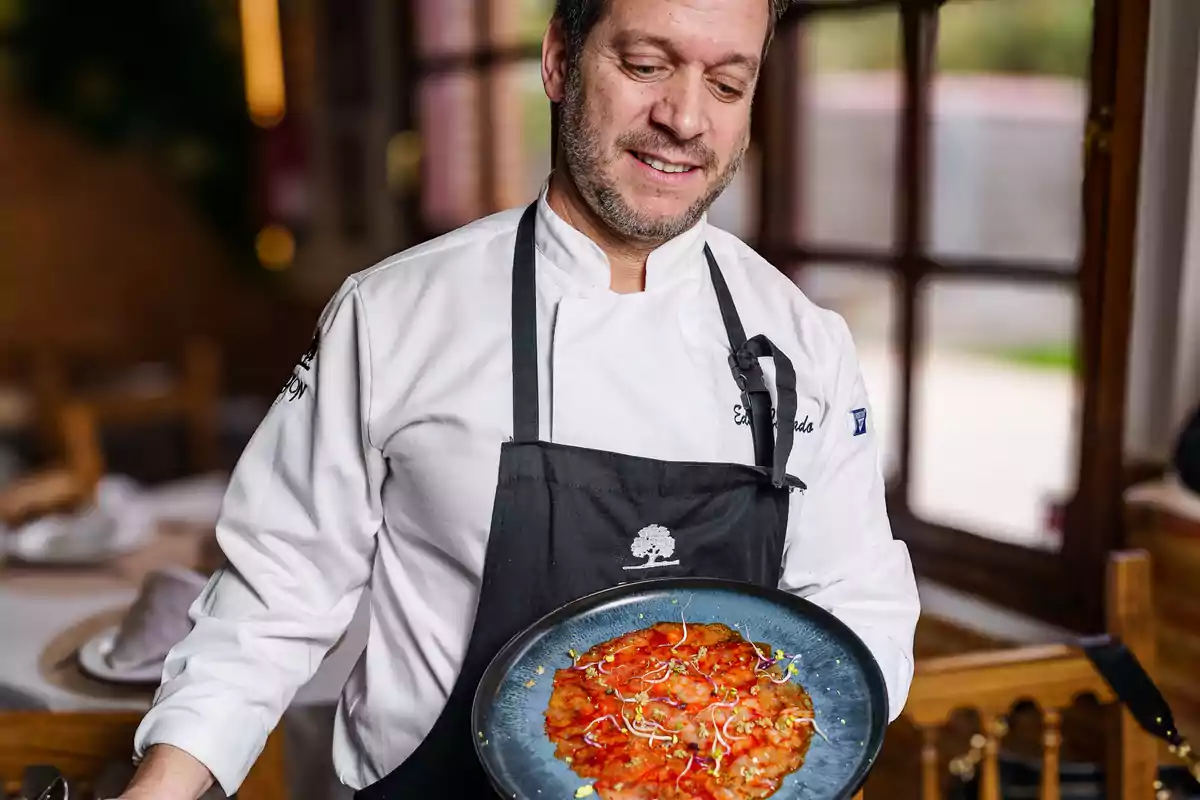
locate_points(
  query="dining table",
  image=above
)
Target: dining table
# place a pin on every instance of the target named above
(49, 611)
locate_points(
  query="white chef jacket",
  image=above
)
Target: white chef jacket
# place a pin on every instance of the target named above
(377, 466)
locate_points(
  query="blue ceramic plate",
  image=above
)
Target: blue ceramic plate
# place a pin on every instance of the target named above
(835, 668)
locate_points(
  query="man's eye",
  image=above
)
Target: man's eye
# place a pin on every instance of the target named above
(727, 92)
(643, 70)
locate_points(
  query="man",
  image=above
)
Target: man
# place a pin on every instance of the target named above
(485, 422)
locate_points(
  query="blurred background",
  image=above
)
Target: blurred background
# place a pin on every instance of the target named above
(994, 193)
(215, 169)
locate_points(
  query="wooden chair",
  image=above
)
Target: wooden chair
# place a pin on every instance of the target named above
(191, 395)
(72, 420)
(1053, 677)
(82, 745)
(69, 482)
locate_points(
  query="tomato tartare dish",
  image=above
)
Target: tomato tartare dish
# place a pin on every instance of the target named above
(676, 711)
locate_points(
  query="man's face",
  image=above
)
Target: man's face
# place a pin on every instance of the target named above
(656, 110)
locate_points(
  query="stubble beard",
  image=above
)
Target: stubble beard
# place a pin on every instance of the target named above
(585, 164)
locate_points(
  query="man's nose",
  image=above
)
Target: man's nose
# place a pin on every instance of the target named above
(680, 109)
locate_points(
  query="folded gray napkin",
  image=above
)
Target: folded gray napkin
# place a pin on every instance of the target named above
(158, 619)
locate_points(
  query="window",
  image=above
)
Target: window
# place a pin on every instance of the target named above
(991, 188)
(955, 196)
(958, 179)
(483, 117)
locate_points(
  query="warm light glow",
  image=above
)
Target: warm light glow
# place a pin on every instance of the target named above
(262, 57)
(276, 247)
(403, 160)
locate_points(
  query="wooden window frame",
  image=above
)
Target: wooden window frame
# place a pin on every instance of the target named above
(1065, 587)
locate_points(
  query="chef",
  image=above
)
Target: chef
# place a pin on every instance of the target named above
(485, 424)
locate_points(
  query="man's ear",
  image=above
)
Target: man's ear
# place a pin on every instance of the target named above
(554, 61)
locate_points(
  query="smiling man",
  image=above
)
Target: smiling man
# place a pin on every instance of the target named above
(596, 389)
(655, 117)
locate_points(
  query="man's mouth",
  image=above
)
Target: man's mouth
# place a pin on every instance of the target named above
(662, 165)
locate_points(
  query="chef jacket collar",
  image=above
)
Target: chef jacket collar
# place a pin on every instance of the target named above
(585, 263)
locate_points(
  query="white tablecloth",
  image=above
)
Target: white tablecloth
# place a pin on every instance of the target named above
(30, 620)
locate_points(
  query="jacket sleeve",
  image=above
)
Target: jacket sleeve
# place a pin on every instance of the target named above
(840, 552)
(297, 527)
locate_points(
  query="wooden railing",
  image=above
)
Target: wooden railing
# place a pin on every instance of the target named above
(82, 745)
(1052, 677)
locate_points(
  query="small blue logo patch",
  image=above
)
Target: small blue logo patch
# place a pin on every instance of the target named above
(860, 421)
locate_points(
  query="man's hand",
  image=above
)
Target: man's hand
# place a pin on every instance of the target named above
(168, 773)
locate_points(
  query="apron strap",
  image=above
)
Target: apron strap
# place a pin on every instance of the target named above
(524, 333)
(769, 452)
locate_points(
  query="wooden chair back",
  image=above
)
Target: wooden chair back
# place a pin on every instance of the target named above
(67, 483)
(71, 420)
(191, 395)
(82, 745)
(1053, 677)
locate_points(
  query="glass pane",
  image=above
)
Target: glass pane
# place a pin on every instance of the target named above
(521, 141)
(850, 100)
(521, 21)
(868, 300)
(450, 194)
(735, 210)
(517, 144)
(995, 436)
(445, 27)
(1009, 107)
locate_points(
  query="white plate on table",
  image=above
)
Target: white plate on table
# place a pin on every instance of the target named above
(93, 660)
(93, 537)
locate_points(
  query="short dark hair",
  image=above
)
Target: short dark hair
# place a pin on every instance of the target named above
(578, 17)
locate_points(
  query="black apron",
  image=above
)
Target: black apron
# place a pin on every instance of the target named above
(569, 521)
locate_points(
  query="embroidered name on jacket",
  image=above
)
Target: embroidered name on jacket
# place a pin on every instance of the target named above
(295, 387)
(742, 417)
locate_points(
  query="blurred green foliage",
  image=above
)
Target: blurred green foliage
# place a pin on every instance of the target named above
(1053, 357)
(1032, 37)
(1042, 37)
(1039, 37)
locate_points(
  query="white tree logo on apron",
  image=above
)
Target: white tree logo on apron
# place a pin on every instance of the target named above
(653, 543)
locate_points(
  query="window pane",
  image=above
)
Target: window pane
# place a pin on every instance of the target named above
(868, 300)
(445, 27)
(518, 144)
(995, 418)
(850, 99)
(450, 194)
(521, 140)
(521, 21)
(1009, 106)
(735, 210)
